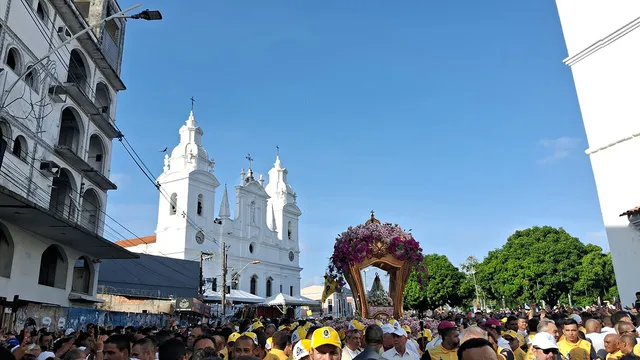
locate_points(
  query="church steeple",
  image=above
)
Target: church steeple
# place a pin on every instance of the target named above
(189, 154)
(225, 211)
(284, 212)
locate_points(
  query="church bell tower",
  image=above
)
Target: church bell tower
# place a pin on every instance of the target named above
(187, 197)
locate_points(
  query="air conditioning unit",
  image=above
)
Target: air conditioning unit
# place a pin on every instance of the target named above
(49, 168)
(64, 33)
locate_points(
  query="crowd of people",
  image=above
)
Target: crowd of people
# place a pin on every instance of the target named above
(527, 335)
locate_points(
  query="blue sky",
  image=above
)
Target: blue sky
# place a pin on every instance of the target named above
(455, 119)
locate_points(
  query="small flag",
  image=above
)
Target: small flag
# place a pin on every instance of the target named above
(330, 286)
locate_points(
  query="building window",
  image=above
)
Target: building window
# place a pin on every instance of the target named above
(53, 268)
(43, 13)
(6, 252)
(20, 148)
(81, 276)
(13, 60)
(269, 286)
(280, 288)
(78, 72)
(214, 284)
(253, 288)
(31, 78)
(71, 130)
(96, 153)
(290, 290)
(199, 210)
(173, 203)
(251, 248)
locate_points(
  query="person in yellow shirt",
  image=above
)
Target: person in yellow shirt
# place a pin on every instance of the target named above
(448, 348)
(477, 348)
(612, 346)
(279, 345)
(571, 346)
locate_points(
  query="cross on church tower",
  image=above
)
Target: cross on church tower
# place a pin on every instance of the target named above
(250, 159)
(192, 102)
(277, 150)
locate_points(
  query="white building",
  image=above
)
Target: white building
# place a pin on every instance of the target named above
(264, 225)
(602, 40)
(58, 125)
(338, 304)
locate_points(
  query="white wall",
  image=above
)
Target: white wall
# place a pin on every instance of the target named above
(607, 87)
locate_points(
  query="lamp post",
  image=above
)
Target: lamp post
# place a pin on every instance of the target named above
(223, 295)
(145, 15)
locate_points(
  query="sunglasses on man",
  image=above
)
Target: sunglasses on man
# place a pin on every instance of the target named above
(549, 351)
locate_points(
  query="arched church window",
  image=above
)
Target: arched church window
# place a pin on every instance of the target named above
(254, 285)
(269, 286)
(289, 230)
(173, 204)
(253, 212)
(200, 204)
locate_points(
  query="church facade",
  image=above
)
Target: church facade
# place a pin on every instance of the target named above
(263, 228)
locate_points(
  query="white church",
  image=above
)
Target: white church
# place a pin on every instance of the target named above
(264, 227)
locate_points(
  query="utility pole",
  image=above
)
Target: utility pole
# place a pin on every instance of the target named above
(223, 294)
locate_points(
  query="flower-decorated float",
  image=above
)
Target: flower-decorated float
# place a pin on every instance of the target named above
(385, 246)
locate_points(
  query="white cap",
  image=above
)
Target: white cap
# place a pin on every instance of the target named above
(299, 351)
(45, 355)
(69, 332)
(544, 341)
(399, 331)
(577, 318)
(387, 329)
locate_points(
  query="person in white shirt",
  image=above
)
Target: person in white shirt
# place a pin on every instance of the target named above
(353, 345)
(400, 350)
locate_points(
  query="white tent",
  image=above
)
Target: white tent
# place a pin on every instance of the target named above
(237, 296)
(282, 301)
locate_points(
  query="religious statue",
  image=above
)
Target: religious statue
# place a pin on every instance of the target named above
(377, 296)
(166, 162)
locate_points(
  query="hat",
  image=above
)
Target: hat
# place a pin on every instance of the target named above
(233, 337)
(45, 355)
(387, 329)
(378, 322)
(510, 333)
(395, 323)
(69, 331)
(493, 323)
(406, 328)
(283, 327)
(446, 325)
(251, 335)
(342, 335)
(426, 333)
(504, 320)
(544, 341)
(325, 336)
(13, 342)
(269, 344)
(356, 325)
(399, 331)
(576, 317)
(257, 325)
(301, 349)
(298, 334)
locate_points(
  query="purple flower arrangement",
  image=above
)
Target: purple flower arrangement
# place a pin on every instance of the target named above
(358, 243)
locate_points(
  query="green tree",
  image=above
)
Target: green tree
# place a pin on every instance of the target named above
(446, 285)
(597, 278)
(539, 263)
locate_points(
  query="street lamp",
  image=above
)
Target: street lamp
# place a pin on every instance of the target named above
(145, 15)
(254, 262)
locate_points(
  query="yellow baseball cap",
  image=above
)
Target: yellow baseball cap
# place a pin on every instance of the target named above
(342, 335)
(233, 337)
(356, 325)
(426, 333)
(510, 333)
(251, 335)
(257, 325)
(283, 327)
(269, 344)
(301, 349)
(406, 328)
(325, 336)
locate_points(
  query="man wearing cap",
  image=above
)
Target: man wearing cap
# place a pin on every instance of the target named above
(245, 345)
(387, 337)
(400, 350)
(544, 346)
(301, 350)
(325, 344)
(448, 347)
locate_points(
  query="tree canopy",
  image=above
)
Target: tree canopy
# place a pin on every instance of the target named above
(546, 263)
(445, 285)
